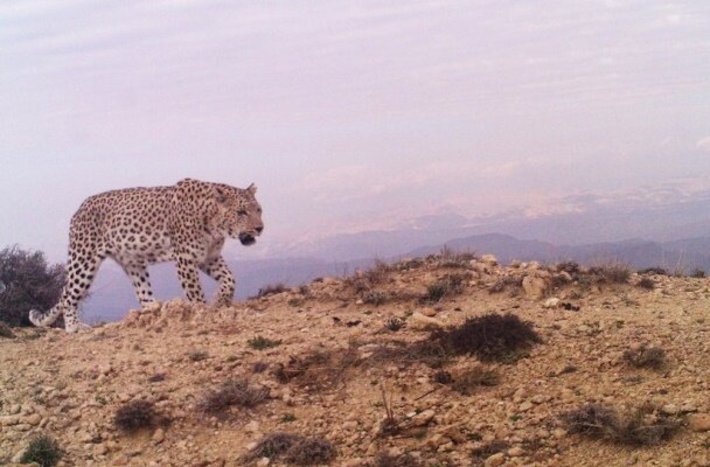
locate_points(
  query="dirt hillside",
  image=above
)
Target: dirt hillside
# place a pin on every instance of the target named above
(367, 371)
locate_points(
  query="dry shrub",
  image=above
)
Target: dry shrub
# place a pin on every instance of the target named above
(271, 289)
(363, 281)
(384, 459)
(157, 377)
(234, 392)
(137, 415)
(643, 426)
(570, 267)
(653, 271)
(197, 355)
(504, 282)
(646, 283)
(262, 343)
(5, 331)
(645, 357)
(615, 273)
(449, 258)
(295, 449)
(467, 382)
(447, 286)
(319, 369)
(480, 454)
(375, 297)
(394, 324)
(697, 273)
(42, 450)
(491, 337)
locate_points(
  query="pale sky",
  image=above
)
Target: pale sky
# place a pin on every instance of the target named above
(347, 115)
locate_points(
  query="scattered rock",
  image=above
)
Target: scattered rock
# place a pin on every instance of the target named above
(420, 321)
(495, 460)
(699, 422)
(551, 303)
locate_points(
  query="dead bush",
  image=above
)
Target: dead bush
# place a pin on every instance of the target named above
(317, 370)
(570, 267)
(447, 286)
(384, 459)
(394, 324)
(615, 273)
(271, 289)
(42, 450)
(137, 415)
(491, 337)
(467, 382)
(646, 283)
(234, 392)
(653, 271)
(294, 449)
(643, 426)
(506, 282)
(262, 343)
(375, 297)
(645, 357)
(363, 281)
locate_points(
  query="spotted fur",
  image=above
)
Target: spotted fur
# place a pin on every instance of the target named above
(186, 223)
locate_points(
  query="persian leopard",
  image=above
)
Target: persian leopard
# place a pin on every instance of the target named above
(186, 223)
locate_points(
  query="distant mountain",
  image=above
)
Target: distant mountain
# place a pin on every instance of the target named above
(679, 255)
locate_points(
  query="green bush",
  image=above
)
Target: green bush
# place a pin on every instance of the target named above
(30, 283)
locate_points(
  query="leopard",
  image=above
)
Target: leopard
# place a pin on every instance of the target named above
(186, 223)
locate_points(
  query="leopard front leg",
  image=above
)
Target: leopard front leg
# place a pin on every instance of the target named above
(190, 278)
(140, 278)
(218, 270)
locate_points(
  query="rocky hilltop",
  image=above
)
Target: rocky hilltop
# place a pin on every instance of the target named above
(447, 360)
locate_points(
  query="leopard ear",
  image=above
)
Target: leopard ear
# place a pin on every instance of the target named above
(252, 189)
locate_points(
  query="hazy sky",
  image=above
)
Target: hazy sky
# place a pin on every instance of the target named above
(347, 115)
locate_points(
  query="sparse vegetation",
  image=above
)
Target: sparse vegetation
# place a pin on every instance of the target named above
(646, 283)
(394, 324)
(43, 450)
(384, 459)
(653, 271)
(136, 415)
(30, 283)
(505, 282)
(643, 426)
(697, 273)
(5, 331)
(491, 337)
(271, 289)
(614, 273)
(294, 449)
(482, 453)
(645, 357)
(261, 343)
(442, 377)
(288, 418)
(317, 369)
(234, 392)
(467, 382)
(157, 377)
(364, 281)
(375, 297)
(449, 258)
(570, 267)
(449, 285)
(259, 367)
(197, 355)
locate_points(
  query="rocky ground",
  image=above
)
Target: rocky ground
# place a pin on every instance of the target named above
(327, 369)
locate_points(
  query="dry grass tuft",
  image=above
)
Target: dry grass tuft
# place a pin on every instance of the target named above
(491, 337)
(506, 282)
(262, 343)
(42, 450)
(644, 426)
(646, 357)
(271, 289)
(317, 370)
(467, 382)
(614, 273)
(447, 286)
(5, 331)
(646, 283)
(234, 392)
(294, 449)
(137, 415)
(384, 459)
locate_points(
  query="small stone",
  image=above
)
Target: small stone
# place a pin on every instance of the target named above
(100, 449)
(15, 409)
(525, 406)
(551, 303)
(359, 301)
(428, 311)
(699, 422)
(33, 419)
(263, 462)
(495, 460)
(419, 321)
(516, 451)
(252, 426)
(158, 436)
(423, 418)
(559, 433)
(9, 420)
(669, 409)
(490, 260)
